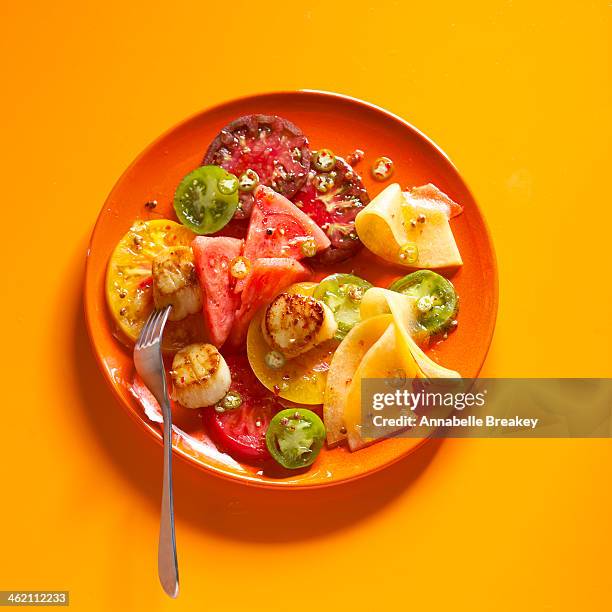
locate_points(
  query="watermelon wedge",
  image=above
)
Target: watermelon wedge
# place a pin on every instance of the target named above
(278, 228)
(212, 258)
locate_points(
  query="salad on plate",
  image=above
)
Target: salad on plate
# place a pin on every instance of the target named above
(273, 267)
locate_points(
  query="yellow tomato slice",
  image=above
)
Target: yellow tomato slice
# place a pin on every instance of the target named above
(129, 292)
(303, 378)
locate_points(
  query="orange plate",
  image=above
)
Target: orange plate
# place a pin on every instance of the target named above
(342, 124)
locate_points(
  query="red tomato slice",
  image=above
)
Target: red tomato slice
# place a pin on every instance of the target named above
(279, 228)
(268, 277)
(241, 432)
(213, 257)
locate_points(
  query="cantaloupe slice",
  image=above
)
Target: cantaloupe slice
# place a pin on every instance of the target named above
(377, 301)
(380, 346)
(382, 360)
(342, 370)
(390, 222)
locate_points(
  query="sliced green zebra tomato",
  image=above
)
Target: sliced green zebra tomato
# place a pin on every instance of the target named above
(206, 199)
(343, 294)
(295, 437)
(435, 298)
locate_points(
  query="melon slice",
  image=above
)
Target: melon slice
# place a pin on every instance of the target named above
(342, 370)
(391, 221)
(395, 350)
(377, 301)
(380, 346)
(213, 257)
(278, 228)
(382, 360)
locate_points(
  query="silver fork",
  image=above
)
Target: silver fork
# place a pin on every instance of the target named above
(150, 367)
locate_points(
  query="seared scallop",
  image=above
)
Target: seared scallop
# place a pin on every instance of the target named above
(200, 376)
(175, 282)
(293, 324)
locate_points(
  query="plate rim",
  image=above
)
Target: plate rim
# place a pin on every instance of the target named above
(248, 479)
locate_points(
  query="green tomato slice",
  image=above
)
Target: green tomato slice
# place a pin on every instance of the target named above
(295, 437)
(435, 298)
(206, 199)
(343, 294)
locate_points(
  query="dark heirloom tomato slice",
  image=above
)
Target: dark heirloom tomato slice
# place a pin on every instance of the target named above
(271, 146)
(242, 432)
(333, 199)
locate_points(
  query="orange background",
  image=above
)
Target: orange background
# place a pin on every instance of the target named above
(518, 94)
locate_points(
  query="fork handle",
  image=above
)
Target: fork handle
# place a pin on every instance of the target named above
(167, 565)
